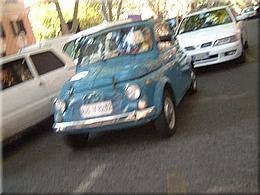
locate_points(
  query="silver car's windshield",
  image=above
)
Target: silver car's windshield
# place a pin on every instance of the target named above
(204, 20)
(126, 41)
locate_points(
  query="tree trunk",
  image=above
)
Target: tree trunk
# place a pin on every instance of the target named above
(109, 7)
(64, 27)
(119, 9)
(104, 10)
(75, 22)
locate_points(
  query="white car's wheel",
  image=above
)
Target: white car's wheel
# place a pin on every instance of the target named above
(194, 84)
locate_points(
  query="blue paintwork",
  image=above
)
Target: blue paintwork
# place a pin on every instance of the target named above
(167, 67)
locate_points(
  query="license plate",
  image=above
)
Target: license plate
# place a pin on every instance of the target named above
(200, 56)
(96, 109)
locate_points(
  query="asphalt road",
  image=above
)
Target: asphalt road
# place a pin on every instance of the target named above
(214, 148)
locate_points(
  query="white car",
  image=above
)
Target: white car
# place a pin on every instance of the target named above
(55, 43)
(247, 13)
(29, 83)
(212, 36)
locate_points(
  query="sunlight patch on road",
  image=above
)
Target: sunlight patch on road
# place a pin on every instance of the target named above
(250, 58)
(90, 179)
(176, 183)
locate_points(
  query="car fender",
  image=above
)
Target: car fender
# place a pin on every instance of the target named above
(159, 91)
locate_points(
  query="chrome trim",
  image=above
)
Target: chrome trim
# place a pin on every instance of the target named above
(104, 121)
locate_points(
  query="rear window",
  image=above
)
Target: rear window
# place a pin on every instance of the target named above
(205, 20)
(14, 73)
(46, 62)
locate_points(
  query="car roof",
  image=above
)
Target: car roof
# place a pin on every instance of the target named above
(206, 10)
(106, 27)
(51, 43)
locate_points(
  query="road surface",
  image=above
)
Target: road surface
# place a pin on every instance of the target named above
(213, 150)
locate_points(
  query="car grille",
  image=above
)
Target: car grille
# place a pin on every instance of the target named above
(206, 44)
(189, 48)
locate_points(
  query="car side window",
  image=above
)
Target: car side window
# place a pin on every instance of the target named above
(162, 30)
(46, 61)
(14, 73)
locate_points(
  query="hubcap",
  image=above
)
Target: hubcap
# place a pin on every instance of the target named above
(195, 84)
(169, 112)
(194, 81)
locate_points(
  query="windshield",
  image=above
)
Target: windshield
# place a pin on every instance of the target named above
(126, 41)
(204, 20)
(248, 10)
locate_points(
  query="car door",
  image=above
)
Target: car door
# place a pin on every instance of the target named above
(22, 97)
(168, 59)
(51, 71)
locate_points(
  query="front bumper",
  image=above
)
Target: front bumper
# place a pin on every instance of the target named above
(101, 123)
(218, 54)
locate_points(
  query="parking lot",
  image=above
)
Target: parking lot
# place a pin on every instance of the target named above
(213, 150)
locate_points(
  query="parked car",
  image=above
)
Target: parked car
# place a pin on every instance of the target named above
(247, 13)
(55, 43)
(257, 9)
(29, 83)
(212, 36)
(128, 74)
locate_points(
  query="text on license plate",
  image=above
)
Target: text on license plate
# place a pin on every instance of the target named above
(96, 109)
(200, 56)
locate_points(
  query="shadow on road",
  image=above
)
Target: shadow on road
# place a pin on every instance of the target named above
(219, 67)
(131, 136)
(27, 137)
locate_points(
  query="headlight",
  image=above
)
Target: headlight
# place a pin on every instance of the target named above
(226, 40)
(60, 105)
(133, 92)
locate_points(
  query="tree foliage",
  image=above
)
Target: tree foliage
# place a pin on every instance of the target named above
(158, 7)
(46, 22)
(111, 10)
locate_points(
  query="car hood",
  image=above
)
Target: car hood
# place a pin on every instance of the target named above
(111, 72)
(210, 34)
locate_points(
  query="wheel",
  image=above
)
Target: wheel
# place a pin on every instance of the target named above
(242, 59)
(76, 141)
(246, 45)
(166, 123)
(193, 85)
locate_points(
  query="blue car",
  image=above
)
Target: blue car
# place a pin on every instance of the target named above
(128, 74)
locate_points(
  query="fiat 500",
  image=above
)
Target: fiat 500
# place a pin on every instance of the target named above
(128, 74)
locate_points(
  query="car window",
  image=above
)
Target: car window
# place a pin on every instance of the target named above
(204, 20)
(248, 10)
(163, 29)
(131, 40)
(14, 73)
(72, 48)
(46, 62)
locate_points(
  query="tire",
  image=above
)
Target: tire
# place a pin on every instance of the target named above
(242, 59)
(165, 125)
(193, 85)
(76, 141)
(246, 45)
